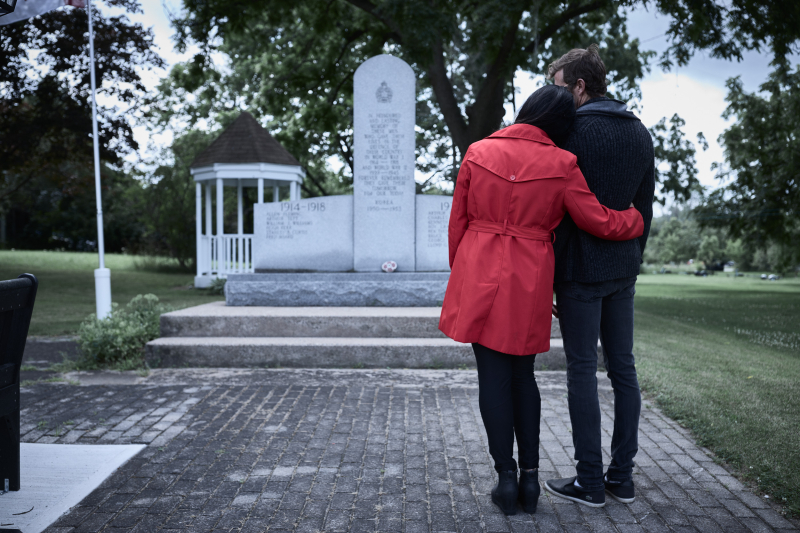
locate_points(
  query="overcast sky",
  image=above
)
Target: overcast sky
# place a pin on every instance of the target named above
(696, 92)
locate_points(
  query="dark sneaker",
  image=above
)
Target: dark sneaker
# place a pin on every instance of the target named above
(505, 494)
(622, 491)
(565, 488)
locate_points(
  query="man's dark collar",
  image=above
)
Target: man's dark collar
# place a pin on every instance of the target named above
(603, 105)
(595, 99)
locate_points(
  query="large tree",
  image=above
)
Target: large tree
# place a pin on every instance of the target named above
(292, 61)
(760, 199)
(45, 112)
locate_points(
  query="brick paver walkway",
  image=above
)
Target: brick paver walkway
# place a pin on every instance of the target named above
(395, 451)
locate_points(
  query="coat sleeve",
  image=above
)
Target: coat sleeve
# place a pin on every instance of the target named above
(458, 212)
(592, 217)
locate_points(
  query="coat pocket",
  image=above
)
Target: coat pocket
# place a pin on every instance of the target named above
(475, 305)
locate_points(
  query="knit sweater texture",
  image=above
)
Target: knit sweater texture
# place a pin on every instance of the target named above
(615, 154)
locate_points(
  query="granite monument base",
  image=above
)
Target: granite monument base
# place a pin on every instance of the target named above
(346, 289)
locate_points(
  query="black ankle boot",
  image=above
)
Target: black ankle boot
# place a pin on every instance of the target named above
(505, 494)
(529, 490)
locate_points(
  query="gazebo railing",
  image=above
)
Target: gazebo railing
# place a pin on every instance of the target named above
(220, 255)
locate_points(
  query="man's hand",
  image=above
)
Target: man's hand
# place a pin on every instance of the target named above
(555, 311)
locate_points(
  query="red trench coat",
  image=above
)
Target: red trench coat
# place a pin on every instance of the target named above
(513, 189)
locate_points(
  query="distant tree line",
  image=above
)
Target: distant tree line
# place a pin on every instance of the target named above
(678, 237)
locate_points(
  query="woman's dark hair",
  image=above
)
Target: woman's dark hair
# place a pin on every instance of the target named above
(550, 109)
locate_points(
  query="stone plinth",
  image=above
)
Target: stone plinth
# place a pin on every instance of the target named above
(399, 289)
(314, 234)
(433, 215)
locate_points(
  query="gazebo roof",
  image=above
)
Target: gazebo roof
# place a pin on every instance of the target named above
(244, 141)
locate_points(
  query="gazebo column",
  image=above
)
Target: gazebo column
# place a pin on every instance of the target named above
(260, 190)
(239, 267)
(198, 215)
(220, 248)
(276, 193)
(294, 191)
(207, 247)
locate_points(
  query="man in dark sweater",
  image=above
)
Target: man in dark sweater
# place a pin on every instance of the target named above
(595, 280)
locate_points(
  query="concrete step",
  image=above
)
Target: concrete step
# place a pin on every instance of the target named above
(43, 352)
(218, 320)
(323, 352)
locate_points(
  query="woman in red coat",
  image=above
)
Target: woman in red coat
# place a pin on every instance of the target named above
(513, 189)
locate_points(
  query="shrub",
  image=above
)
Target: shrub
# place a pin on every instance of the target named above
(217, 286)
(118, 340)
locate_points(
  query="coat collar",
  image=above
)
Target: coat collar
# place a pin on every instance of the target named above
(606, 106)
(523, 131)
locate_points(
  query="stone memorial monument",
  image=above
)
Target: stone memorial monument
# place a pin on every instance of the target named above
(328, 251)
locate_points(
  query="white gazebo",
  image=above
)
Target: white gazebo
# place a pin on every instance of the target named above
(244, 155)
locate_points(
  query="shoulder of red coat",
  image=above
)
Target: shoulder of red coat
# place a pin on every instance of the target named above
(522, 159)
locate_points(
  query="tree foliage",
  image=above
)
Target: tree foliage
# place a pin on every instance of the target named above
(673, 239)
(761, 201)
(168, 199)
(676, 170)
(45, 109)
(726, 28)
(291, 62)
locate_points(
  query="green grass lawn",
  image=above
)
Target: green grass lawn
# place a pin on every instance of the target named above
(722, 356)
(66, 285)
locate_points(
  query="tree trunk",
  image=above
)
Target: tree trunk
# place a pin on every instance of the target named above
(485, 115)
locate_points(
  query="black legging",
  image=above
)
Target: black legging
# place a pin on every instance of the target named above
(510, 404)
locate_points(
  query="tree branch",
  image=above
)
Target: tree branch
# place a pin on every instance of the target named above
(486, 112)
(346, 151)
(371, 9)
(498, 66)
(349, 75)
(316, 183)
(571, 13)
(443, 89)
(9, 192)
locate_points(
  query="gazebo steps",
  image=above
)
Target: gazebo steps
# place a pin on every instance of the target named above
(323, 352)
(218, 320)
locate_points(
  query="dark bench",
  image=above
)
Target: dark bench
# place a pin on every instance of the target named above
(16, 305)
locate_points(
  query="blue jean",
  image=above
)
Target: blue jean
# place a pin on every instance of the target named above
(587, 311)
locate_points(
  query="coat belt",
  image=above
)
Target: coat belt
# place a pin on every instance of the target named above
(502, 228)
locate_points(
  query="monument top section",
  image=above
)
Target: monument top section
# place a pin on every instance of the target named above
(244, 141)
(387, 66)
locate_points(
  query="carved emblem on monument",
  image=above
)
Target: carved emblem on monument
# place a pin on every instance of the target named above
(384, 94)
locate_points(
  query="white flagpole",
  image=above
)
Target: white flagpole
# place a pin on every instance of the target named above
(102, 275)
